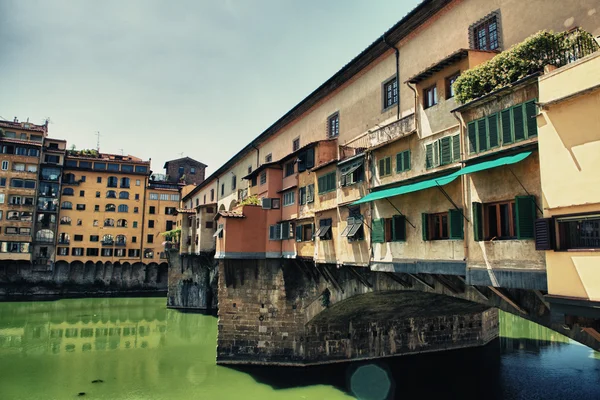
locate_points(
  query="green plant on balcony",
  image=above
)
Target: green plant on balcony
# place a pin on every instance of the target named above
(83, 152)
(171, 238)
(250, 201)
(523, 59)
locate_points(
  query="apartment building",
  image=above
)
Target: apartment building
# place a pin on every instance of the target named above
(383, 166)
(160, 215)
(185, 170)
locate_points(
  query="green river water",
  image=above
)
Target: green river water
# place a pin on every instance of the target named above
(141, 350)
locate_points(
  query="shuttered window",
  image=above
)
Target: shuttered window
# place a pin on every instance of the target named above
(399, 228)
(377, 231)
(403, 161)
(513, 219)
(525, 216)
(456, 147)
(445, 150)
(442, 151)
(510, 125)
(455, 222)
(477, 221)
(544, 234)
(385, 166)
(327, 183)
(310, 193)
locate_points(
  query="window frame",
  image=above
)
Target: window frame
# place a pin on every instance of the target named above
(511, 222)
(385, 98)
(449, 81)
(335, 118)
(426, 100)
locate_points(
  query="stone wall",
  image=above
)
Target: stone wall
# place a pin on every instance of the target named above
(23, 280)
(192, 281)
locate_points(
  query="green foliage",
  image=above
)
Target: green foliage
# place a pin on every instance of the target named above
(523, 59)
(250, 201)
(83, 152)
(326, 298)
(172, 235)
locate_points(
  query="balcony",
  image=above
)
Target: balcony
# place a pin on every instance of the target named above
(381, 135)
(108, 243)
(64, 241)
(121, 243)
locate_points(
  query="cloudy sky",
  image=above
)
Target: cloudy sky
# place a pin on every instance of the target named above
(161, 77)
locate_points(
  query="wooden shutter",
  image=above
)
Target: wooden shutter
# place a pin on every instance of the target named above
(456, 147)
(445, 150)
(477, 221)
(518, 122)
(455, 222)
(429, 155)
(472, 133)
(299, 232)
(377, 234)
(406, 160)
(436, 153)
(381, 167)
(388, 165)
(331, 181)
(544, 234)
(482, 134)
(531, 121)
(310, 158)
(342, 179)
(310, 195)
(425, 226)
(399, 166)
(399, 228)
(285, 230)
(266, 203)
(525, 209)
(507, 136)
(493, 139)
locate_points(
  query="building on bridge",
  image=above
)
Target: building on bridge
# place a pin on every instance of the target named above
(420, 160)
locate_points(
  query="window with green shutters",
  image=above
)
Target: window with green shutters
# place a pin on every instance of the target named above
(525, 210)
(399, 228)
(403, 161)
(477, 221)
(455, 222)
(326, 183)
(389, 229)
(508, 126)
(504, 220)
(442, 151)
(385, 166)
(377, 231)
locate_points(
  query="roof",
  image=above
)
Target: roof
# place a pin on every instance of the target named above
(186, 159)
(206, 205)
(262, 167)
(109, 157)
(325, 164)
(229, 214)
(27, 126)
(19, 141)
(420, 14)
(186, 211)
(446, 61)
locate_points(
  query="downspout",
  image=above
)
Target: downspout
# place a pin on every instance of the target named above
(415, 107)
(257, 155)
(397, 73)
(463, 180)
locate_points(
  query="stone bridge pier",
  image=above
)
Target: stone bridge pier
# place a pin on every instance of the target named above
(192, 281)
(295, 312)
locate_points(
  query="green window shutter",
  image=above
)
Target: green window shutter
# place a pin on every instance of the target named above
(388, 165)
(482, 134)
(330, 181)
(381, 167)
(377, 234)
(399, 167)
(518, 122)
(530, 115)
(455, 222)
(525, 210)
(299, 231)
(285, 230)
(446, 150)
(399, 228)
(429, 155)
(456, 148)
(507, 136)
(425, 230)
(406, 159)
(493, 131)
(472, 133)
(477, 221)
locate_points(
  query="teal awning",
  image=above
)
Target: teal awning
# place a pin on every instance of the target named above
(443, 180)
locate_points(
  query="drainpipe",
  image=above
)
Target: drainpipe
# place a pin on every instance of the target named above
(257, 155)
(415, 113)
(217, 193)
(397, 73)
(464, 183)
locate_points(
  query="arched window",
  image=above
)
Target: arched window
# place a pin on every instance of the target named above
(113, 181)
(65, 220)
(121, 240)
(122, 223)
(124, 182)
(111, 194)
(107, 239)
(45, 235)
(123, 208)
(66, 205)
(69, 178)
(64, 238)
(124, 195)
(110, 208)
(109, 222)
(68, 192)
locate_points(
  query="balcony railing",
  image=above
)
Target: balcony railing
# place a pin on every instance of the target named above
(64, 241)
(121, 243)
(47, 240)
(108, 243)
(379, 136)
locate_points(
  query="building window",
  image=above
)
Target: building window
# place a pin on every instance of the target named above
(390, 93)
(333, 125)
(175, 197)
(440, 226)
(288, 198)
(579, 232)
(109, 222)
(324, 231)
(500, 220)
(95, 223)
(138, 182)
(511, 219)
(134, 239)
(442, 151)
(233, 182)
(208, 225)
(354, 225)
(152, 210)
(403, 161)
(263, 177)
(99, 179)
(212, 194)
(150, 239)
(94, 238)
(113, 182)
(82, 193)
(80, 207)
(122, 223)
(65, 221)
(97, 194)
(151, 223)
(164, 197)
(135, 224)
(389, 229)
(4, 165)
(78, 238)
(304, 232)
(153, 196)
(124, 195)
(485, 34)
(96, 207)
(296, 144)
(192, 170)
(137, 196)
(110, 208)
(326, 183)
(430, 98)
(136, 210)
(450, 85)
(222, 189)
(68, 192)
(111, 194)
(385, 166)
(66, 205)
(133, 253)
(289, 169)
(352, 173)
(125, 183)
(508, 126)
(63, 251)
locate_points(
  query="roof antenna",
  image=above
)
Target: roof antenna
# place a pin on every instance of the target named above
(98, 142)
(121, 151)
(181, 154)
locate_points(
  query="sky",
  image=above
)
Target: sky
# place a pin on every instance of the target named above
(158, 78)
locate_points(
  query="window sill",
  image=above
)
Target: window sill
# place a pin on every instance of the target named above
(580, 251)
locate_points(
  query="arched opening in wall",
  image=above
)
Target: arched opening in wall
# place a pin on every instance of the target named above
(76, 272)
(89, 271)
(232, 205)
(222, 207)
(163, 273)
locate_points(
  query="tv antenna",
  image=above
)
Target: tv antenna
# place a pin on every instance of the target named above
(121, 151)
(98, 141)
(181, 154)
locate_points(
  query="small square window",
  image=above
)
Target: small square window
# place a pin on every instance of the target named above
(430, 98)
(96, 207)
(81, 193)
(390, 93)
(150, 239)
(296, 144)
(333, 125)
(99, 179)
(268, 158)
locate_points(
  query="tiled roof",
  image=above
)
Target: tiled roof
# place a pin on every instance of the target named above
(19, 141)
(231, 214)
(325, 164)
(21, 125)
(186, 211)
